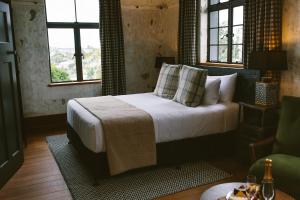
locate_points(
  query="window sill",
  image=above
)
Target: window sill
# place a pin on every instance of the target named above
(74, 83)
(222, 65)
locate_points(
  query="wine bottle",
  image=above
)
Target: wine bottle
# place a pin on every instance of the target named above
(268, 191)
(268, 171)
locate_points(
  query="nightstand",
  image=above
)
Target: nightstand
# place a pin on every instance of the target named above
(256, 123)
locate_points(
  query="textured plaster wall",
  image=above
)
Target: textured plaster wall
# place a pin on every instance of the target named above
(290, 84)
(150, 30)
(31, 43)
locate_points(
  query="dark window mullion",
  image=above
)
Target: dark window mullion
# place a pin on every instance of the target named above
(208, 38)
(218, 45)
(238, 25)
(223, 26)
(78, 54)
(230, 33)
(72, 25)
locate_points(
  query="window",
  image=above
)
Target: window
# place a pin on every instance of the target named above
(74, 40)
(225, 31)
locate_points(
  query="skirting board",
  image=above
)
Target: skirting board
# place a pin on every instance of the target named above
(45, 124)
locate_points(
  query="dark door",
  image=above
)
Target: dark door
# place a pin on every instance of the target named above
(11, 155)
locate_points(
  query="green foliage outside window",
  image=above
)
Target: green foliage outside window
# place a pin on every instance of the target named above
(58, 74)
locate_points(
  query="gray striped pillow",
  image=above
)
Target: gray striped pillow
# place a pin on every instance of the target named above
(191, 86)
(167, 83)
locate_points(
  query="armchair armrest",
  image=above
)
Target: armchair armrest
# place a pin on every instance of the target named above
(261, 148)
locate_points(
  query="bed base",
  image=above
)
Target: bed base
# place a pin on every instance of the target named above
(168, 153)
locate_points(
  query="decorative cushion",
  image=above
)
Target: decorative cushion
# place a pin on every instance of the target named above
(288, 132)
(212, 91)
(191, 86)
(227, 87)
(167, 83)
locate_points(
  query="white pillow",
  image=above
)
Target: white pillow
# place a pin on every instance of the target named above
(212, 91)
(227, 87)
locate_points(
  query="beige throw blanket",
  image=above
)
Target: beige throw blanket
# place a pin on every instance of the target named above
(128, 132)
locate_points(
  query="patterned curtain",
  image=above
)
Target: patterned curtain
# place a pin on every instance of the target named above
(188, 40)
(112, 48)
(263, 26)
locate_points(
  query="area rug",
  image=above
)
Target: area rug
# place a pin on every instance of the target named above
(146, 184)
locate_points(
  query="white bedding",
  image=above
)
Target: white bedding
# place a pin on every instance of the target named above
(172, 121)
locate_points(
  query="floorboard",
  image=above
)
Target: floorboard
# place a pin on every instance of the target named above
(40, 179)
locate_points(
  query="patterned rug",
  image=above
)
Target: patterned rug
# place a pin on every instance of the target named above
(145, 184)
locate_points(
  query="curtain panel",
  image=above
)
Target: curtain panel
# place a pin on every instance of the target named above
(263, 26)
(112, 48)
(188, 39)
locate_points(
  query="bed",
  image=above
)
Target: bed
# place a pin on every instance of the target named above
(172, 121)
(181, 133)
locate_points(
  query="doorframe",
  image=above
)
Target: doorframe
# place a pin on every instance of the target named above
(16, 163)
(20, 104)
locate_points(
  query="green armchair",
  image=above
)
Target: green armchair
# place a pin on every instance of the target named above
(283, 149)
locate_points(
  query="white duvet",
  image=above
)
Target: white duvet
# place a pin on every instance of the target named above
(172, 121)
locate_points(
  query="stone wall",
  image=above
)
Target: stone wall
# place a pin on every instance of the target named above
(150, 29)
(32, 47)
(290, 84)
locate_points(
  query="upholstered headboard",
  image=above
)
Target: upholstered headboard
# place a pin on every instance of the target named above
(245, 87)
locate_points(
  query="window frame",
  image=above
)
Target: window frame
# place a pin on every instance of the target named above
(76, 27)
(230, 5)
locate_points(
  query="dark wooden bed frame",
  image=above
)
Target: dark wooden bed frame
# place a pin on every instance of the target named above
(180, 151)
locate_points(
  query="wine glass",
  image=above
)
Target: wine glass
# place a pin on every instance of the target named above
(268, 190)
(251, 180)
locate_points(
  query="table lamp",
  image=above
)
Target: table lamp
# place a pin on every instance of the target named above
(270, 63)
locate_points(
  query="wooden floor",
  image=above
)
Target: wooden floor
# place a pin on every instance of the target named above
(40, 179)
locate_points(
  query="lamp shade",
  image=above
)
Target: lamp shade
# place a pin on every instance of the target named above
(268, 60)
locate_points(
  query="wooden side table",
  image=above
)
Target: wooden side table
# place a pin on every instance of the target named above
(256, 123)
(221, 190)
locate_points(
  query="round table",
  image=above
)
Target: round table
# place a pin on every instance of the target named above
(221, 190)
